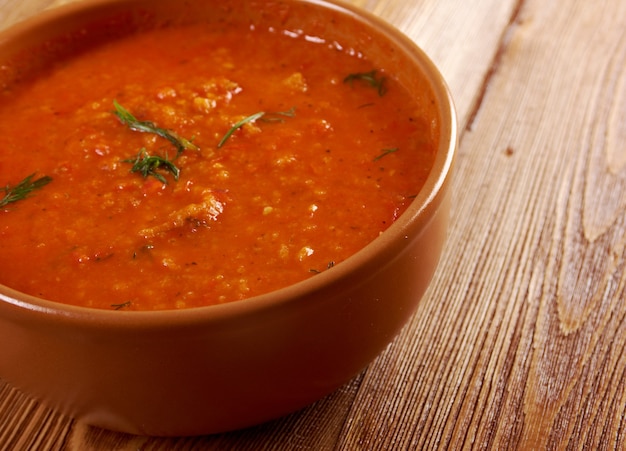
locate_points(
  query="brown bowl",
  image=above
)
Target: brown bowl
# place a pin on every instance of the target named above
(218, 368)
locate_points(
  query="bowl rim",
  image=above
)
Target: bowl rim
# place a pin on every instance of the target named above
(413, 219)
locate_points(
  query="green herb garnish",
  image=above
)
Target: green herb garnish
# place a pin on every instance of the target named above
(133, 123)
(371, 78)
(23, 189)
(386, 152)
(238, 125)
(328, 266)
(279, 116)
(147, 165)
(267, 117)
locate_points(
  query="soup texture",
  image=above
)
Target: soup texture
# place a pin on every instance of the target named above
(186, 166)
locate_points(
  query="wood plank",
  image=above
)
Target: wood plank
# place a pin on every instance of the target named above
(520, 343)
(461, 38)
(12, 11)
(26, 425)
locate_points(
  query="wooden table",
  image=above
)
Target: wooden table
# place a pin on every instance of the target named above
(520, 342)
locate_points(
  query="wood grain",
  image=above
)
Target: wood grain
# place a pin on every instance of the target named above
(520, 341)
(526, 321)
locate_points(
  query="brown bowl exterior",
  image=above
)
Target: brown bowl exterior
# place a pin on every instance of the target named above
(224, 367)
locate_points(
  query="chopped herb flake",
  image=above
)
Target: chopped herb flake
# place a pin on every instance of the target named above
(238, 125)
(386, 152)
(133, 123)
(23, 189)
(267, 117)
(148, 165)
(279, 116)
(121, 306)
(371, 78)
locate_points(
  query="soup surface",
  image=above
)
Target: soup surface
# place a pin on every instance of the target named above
(190, 167)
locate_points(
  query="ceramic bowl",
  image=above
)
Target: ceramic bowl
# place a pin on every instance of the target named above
(224, 367)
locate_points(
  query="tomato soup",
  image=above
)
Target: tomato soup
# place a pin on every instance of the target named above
(186, 166)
